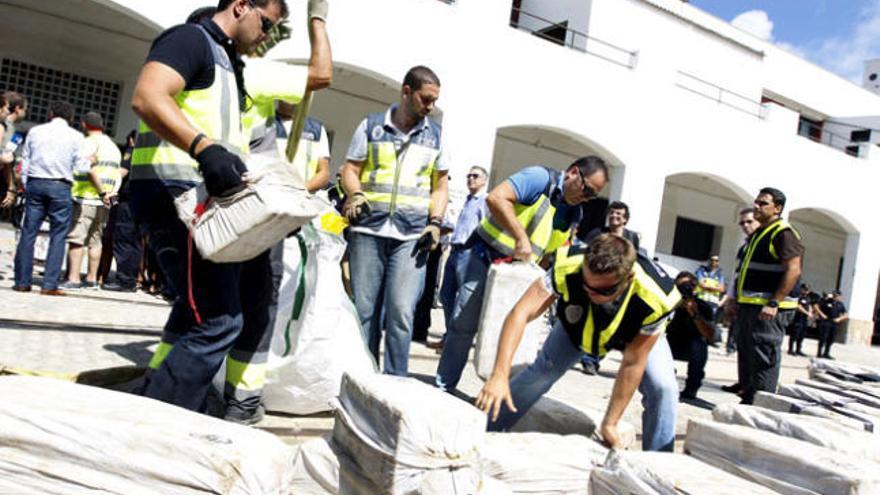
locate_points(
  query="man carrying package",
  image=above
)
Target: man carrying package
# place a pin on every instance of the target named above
(606, 298)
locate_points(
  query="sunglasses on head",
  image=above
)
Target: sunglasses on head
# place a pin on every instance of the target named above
(588, 190)
(605, 291)
(266, 24)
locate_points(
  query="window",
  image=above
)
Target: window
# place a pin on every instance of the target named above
(809, 128)
(555, 33)
(693, 239)
(41, 85)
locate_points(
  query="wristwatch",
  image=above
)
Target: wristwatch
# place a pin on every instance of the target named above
(773, 303)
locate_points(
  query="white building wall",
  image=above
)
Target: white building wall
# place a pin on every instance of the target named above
(495, 76)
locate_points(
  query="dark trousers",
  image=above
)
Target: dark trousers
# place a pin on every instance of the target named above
(422, 317)
(827, 331)
(127, 248)
(732, 331)
(696, 352)
(219, 304)
(760, 349)
(796, 335)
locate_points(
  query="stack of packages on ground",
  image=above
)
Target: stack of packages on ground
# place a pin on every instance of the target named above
(505, 284)
(814, 437)
(74, 439)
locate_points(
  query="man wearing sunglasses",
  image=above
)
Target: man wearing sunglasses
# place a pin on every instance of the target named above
(768, 273)
(530, 216)
(607, 297)
(189, 95)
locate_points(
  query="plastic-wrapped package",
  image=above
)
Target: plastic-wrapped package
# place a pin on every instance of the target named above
(842, 416)
(554, 416)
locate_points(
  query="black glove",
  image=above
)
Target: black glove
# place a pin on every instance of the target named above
(221, 170)
(430, 236)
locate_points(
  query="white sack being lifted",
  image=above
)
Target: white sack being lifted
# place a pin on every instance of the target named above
(554, 416)
(848, 418)
(67, 439)
(784, 464)
(401, 436)
(317, 334)
(241, 226)
(541, 462)
(817, 431)
(505, 284)
(661, 473)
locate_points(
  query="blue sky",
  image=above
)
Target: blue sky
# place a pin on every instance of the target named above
(836, 34)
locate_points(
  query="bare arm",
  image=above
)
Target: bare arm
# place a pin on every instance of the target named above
(321, 177)
(501, 202)
(635, 357)
(439, 194)
(153, 101)
(320, 61)
(351, 173)
(531, 305)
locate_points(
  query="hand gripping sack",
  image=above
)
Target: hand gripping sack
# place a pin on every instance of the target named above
(317, 334)
(243, 225)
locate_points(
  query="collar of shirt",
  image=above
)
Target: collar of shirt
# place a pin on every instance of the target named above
(389, 124)
(479, 194)
(556, 194)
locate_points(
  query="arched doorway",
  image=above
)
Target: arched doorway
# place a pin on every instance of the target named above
(831, 244)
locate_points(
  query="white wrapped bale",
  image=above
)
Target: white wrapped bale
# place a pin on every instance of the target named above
(67, 439)
(836, 402)
(404, 436)
(860, 397)
(823, 377)
(245, 224)
(541, 463)
(784, 464)
(554, 416)
(316, 468)
(846, 418)
(817, 431)
(505, 284)
(659, 473)
(846, 371)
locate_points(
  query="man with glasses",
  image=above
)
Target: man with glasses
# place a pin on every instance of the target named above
(190, 95)
(768, 273)
(530, 216)
(748, 225)
(607, 297)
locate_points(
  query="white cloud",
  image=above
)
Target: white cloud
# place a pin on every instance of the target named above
(756, 23)
(845, 55)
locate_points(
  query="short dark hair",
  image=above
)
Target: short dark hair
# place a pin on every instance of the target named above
(746, 210)
(224, 4)
(418, 76)
(619, 205)
(685, 274)
(777, 195)
(589, 165)
(201, 13)
(62, 109)
(15, 100)
(481, 169)
(609, 253)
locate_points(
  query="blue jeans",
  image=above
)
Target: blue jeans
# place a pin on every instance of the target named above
(658, 387)
(462, 315)
(453, 277)
(43, 197)
(387, 279)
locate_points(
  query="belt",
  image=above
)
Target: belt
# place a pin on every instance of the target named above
(66, 181)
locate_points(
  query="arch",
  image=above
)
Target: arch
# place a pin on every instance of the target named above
(698, 219)
(831, 243)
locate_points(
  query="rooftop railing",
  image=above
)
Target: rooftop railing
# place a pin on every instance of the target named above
(722, 95)
(576, 40)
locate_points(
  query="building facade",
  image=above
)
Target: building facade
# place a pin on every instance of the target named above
(694, 115)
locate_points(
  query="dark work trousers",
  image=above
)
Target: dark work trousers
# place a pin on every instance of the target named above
(732, 331)
(127, 248)
(827, 331)
(796, 336)
(760, 349)
(107, 246)
(422, 318)
(696, 352)
(219, 304)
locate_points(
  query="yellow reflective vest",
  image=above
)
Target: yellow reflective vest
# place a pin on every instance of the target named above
(648, 300)
(214, 111)
(536, 219)
(107, 167)
(761, 269)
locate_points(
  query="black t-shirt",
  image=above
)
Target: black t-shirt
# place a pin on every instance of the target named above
(125, 164)
(831, 308)
(806, 301)
(683, 327)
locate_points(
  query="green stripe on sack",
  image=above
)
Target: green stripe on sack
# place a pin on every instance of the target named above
(300, 296)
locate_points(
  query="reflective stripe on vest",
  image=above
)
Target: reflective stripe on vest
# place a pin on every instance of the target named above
(536, 219)
(761, 270)
(107, 168)
(213, 111)
(651, 288)
(399, 185)
(306, 159)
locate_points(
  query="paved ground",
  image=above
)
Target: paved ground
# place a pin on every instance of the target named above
(96, 329)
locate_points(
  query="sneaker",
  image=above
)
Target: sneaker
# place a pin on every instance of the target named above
(686, 395)
(86, 285)
(590, 368)
(253, 419)
(70, 285)
(114, 287)
(828, 356)
(733, 389)
(799, 353)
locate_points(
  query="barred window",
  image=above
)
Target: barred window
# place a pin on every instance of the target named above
(41, 85)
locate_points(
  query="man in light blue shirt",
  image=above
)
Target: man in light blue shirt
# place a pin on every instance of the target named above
(50, 154)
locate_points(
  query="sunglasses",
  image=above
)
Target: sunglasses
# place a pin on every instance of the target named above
(473, 176)
(266, 24)
(605, 291)
(588, 190)
(761, 202)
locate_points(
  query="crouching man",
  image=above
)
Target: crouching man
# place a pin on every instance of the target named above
(607, 298)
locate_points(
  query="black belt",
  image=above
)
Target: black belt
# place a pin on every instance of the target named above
(66, 181)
